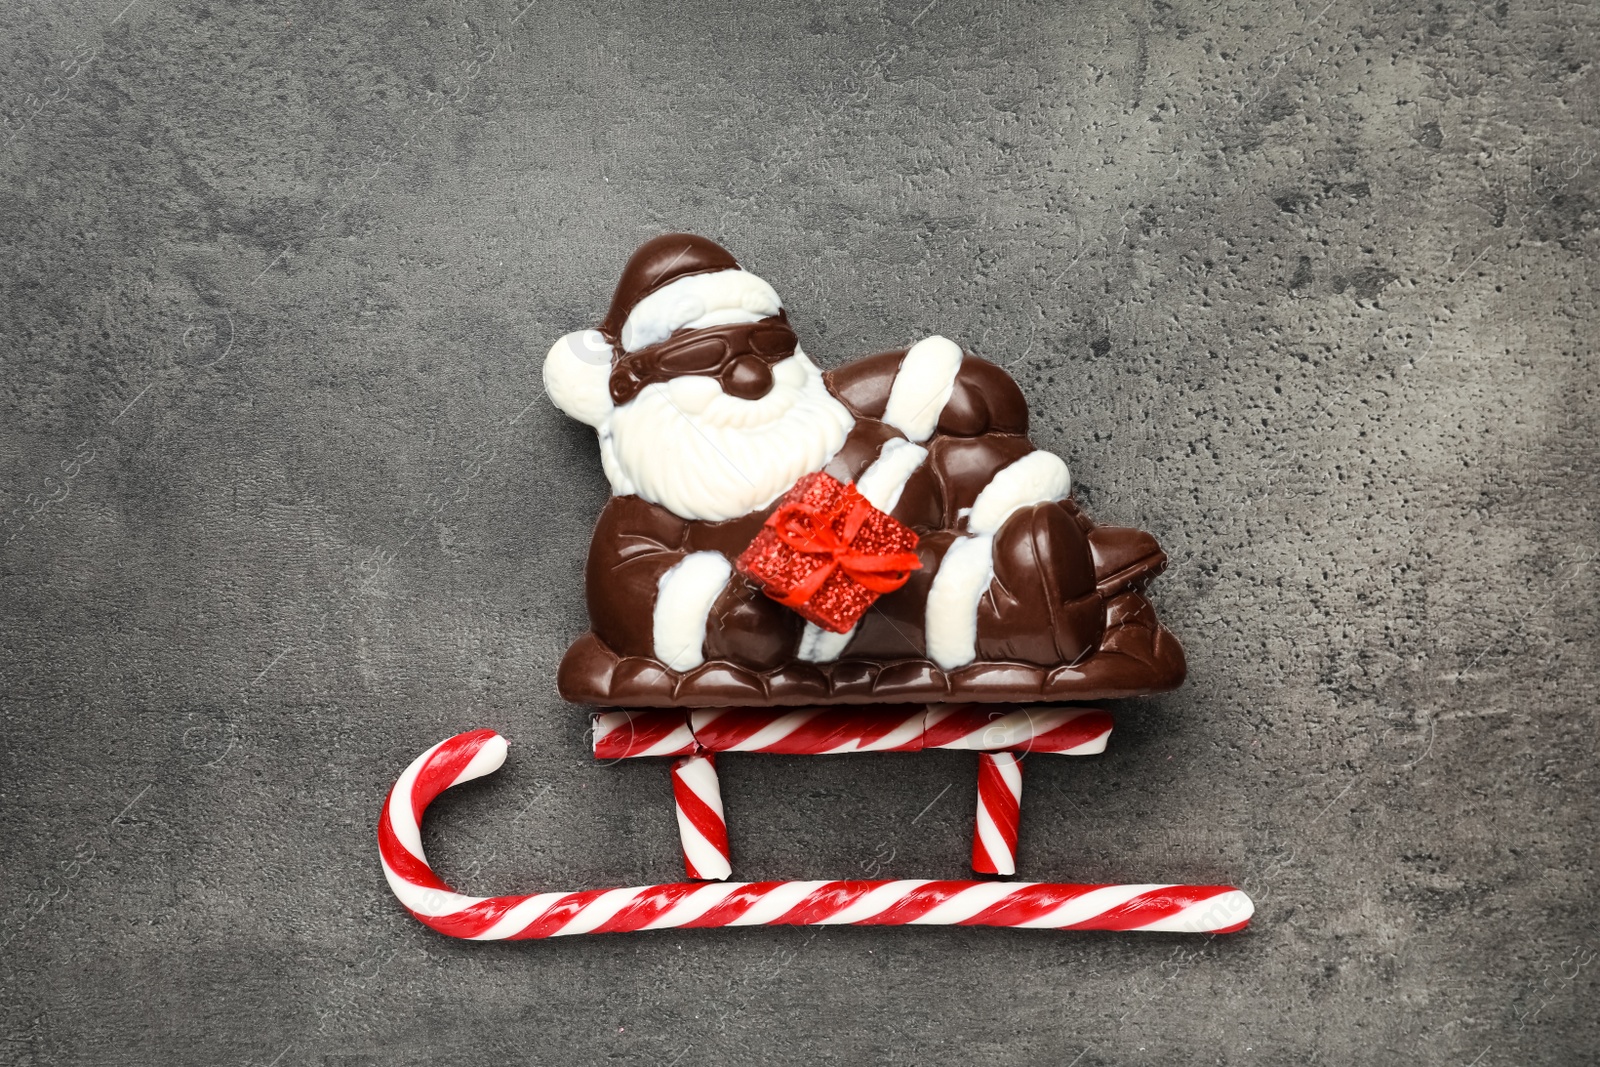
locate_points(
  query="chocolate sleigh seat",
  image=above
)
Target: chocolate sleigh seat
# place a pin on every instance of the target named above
(1129, 654)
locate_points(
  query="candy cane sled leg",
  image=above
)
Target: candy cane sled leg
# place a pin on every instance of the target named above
(994, 837)
(1034, 905)
(702, 827)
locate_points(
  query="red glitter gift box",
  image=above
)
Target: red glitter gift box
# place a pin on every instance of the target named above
(828, 554)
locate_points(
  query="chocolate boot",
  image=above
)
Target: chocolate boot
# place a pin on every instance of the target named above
(1042, 606)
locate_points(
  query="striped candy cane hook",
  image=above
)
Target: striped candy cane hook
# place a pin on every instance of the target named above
(1035, 905)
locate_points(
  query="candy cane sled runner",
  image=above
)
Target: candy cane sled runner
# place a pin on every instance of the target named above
(1030, 905)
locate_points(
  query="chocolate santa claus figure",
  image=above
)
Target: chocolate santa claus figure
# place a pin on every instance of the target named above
(782, 535)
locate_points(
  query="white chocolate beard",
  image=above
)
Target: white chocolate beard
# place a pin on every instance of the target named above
(703, 454)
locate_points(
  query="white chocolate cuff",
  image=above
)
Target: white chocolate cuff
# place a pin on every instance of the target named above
(684, 596)
(922, 387)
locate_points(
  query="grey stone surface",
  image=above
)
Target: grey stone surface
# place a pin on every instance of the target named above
(1306, 290)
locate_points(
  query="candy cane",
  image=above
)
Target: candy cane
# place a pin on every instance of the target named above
(994, 838)
(622, 734)
(702, 827)
(832, 731)
(1035, 905)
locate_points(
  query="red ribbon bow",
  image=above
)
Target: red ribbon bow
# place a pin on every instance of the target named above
(810, 530)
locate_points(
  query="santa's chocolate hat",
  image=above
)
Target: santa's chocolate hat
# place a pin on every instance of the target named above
(657, 264)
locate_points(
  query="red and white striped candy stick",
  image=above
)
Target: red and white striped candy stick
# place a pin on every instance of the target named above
(624, 734)
(1061, 731)
(702, 827)
(999, 811)
(994, 840)
(817, 731)
(1034, 905)
(831, 731)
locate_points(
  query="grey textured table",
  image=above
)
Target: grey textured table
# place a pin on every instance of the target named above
(1307, 290)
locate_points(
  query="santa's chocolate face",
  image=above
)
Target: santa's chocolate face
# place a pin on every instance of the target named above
(701, 452)
(708, 405)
